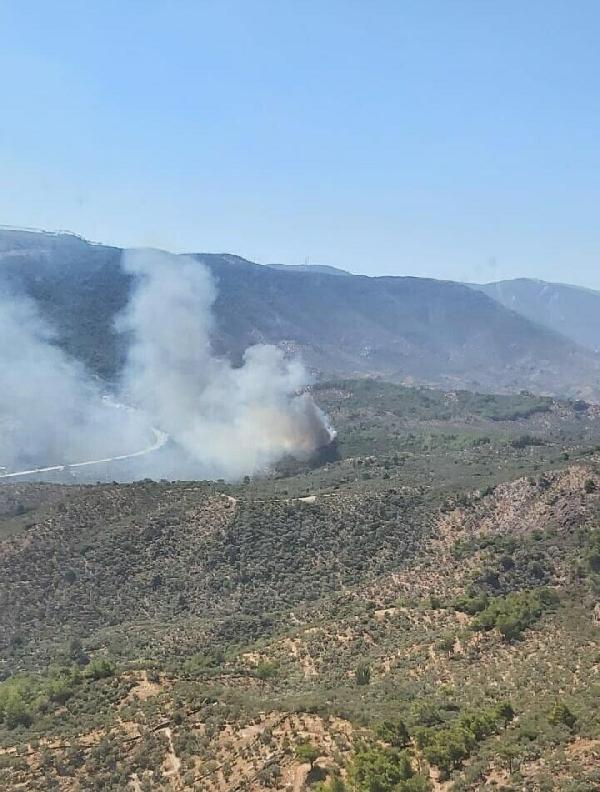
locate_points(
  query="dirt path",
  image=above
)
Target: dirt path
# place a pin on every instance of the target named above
(172, 760)
(160, 438)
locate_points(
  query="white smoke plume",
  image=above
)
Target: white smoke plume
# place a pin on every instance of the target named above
(230, 421)
(51, 411)
(221, 421)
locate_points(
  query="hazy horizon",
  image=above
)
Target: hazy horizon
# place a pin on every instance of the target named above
(455, 141)
(306, 262)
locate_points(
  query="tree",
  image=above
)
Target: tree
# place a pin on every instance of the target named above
(504, 710)
(561, 714)
(393, 732)
(448, 748)
(101, 668)
(379, 769)
(509, 753)
(307, 752)
(76, 652)
(16, 712)
(446, 644)
(362, 674)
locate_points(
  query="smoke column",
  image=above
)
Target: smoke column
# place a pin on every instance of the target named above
(51, 411)
(230, 421)
(222, 421)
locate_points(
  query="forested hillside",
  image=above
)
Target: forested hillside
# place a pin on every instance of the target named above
(406, 329)
(418, 613)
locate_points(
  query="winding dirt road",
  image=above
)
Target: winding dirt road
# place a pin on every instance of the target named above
(160, 438)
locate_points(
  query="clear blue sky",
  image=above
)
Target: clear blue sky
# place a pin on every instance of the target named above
(448, 138)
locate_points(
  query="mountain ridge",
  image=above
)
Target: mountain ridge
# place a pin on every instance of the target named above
(567, 309)
(406, 329)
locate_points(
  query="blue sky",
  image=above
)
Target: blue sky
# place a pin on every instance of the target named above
(447, 138)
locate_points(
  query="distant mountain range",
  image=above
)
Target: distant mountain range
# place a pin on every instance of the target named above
(498, 337)
(324, 269)
(570, 310)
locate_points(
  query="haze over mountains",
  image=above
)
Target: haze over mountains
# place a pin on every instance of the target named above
(570, 310)
(405, 329)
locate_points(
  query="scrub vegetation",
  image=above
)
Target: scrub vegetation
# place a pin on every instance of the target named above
(415, 610)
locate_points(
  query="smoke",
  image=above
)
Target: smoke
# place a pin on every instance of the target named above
(51, 411)
(221, 421)
(230, 421)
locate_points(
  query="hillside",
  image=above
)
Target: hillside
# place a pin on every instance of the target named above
(404, 329)
(324, 269)
(570, 310)
(420, 613)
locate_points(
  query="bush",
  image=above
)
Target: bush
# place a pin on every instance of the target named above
(15, 710)
(307, 752)
(447, 748)
(101, 668)
(362, 674)
(76, 653)
(16, 701)
(592, 555)
(59, 690)
(270, 775)
(266, 670)
(393, 732)
(202, 662)
(446, 644)
(504, 711)
(515, 612)
(378, 769)
(471, 604)
(561, 714)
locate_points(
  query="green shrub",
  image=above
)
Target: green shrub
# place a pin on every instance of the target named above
(448, 747)
(266, 670)
(202, 662)
(515, 612)
(100, 668)
(471, 604)
(393, 732)
(561, 714)
(307, 752)
(15, 710)
(378, 769)
(333, 784)
(362, 675)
